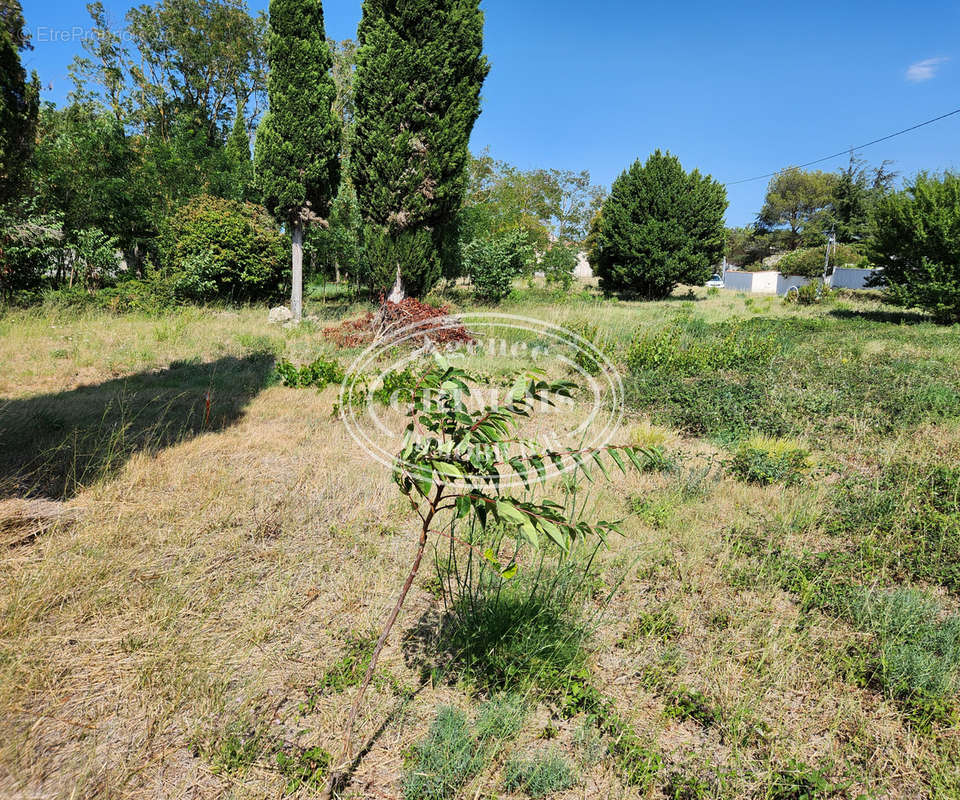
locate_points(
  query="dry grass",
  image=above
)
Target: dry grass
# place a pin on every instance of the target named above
(204, 585)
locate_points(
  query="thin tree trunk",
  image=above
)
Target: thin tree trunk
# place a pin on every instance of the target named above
(398, 293)
(337, 774)
(296, 294)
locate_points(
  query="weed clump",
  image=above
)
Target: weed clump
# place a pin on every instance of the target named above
(320, 374)
(766, 461)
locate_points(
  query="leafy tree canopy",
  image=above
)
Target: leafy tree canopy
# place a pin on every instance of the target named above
(916, 240)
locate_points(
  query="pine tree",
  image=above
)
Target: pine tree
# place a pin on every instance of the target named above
(19, 101)
(420, 69)
(297, 158)
(659, 228)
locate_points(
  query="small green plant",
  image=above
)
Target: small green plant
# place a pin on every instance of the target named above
(454, 459)
(344, 674)
(656, 510)
(237, 749)
(684, 704)
(320, 374)
(764, 461)
(304, 768)
(660, 624)
(799, 781)
(539, 776)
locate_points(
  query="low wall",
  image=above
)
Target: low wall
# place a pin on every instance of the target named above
(850, 278)
(769, 282)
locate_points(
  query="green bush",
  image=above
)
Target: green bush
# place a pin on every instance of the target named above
(96, 261)
(30, 244)
(558, 264)
(216, 249)
(320, 374)
(493, 262)
(765, 461)
(809, 294)
(916, 241)
(540, 776)
(808, 262)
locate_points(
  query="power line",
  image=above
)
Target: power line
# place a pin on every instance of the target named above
(847, 150)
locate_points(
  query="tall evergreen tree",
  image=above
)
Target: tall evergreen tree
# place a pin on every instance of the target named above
(297, 156)
(19, 101)
(420, 69)
(660, 227)
(239, 163)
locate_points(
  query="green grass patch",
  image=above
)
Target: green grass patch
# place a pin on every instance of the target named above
(455, 751)
(539, 776)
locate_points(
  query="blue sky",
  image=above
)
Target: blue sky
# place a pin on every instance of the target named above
(735, 88)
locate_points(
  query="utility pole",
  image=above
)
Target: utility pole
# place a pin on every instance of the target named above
(831, 245)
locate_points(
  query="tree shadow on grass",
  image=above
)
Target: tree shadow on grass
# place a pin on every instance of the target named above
(53, 445)
(886, 317)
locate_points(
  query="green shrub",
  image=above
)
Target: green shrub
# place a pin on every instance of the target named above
(30, 244)
(765, 461)
(809, 294)
(216, 249)
(494, 261)
(96, 261)
(320, 374)
(916, 241)
(558, 264)
(809, 262)
(540, 776)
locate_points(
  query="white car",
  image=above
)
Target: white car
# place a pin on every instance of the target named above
(716, 282)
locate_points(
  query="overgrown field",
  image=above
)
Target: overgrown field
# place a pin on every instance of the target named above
(195, 561)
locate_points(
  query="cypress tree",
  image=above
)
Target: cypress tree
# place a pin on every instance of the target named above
(297, 155)
(420, 69)
(237, 151)
(19, 101)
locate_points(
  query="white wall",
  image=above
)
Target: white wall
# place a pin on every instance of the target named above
(752, 282)
(850, 278)
(738, 281)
